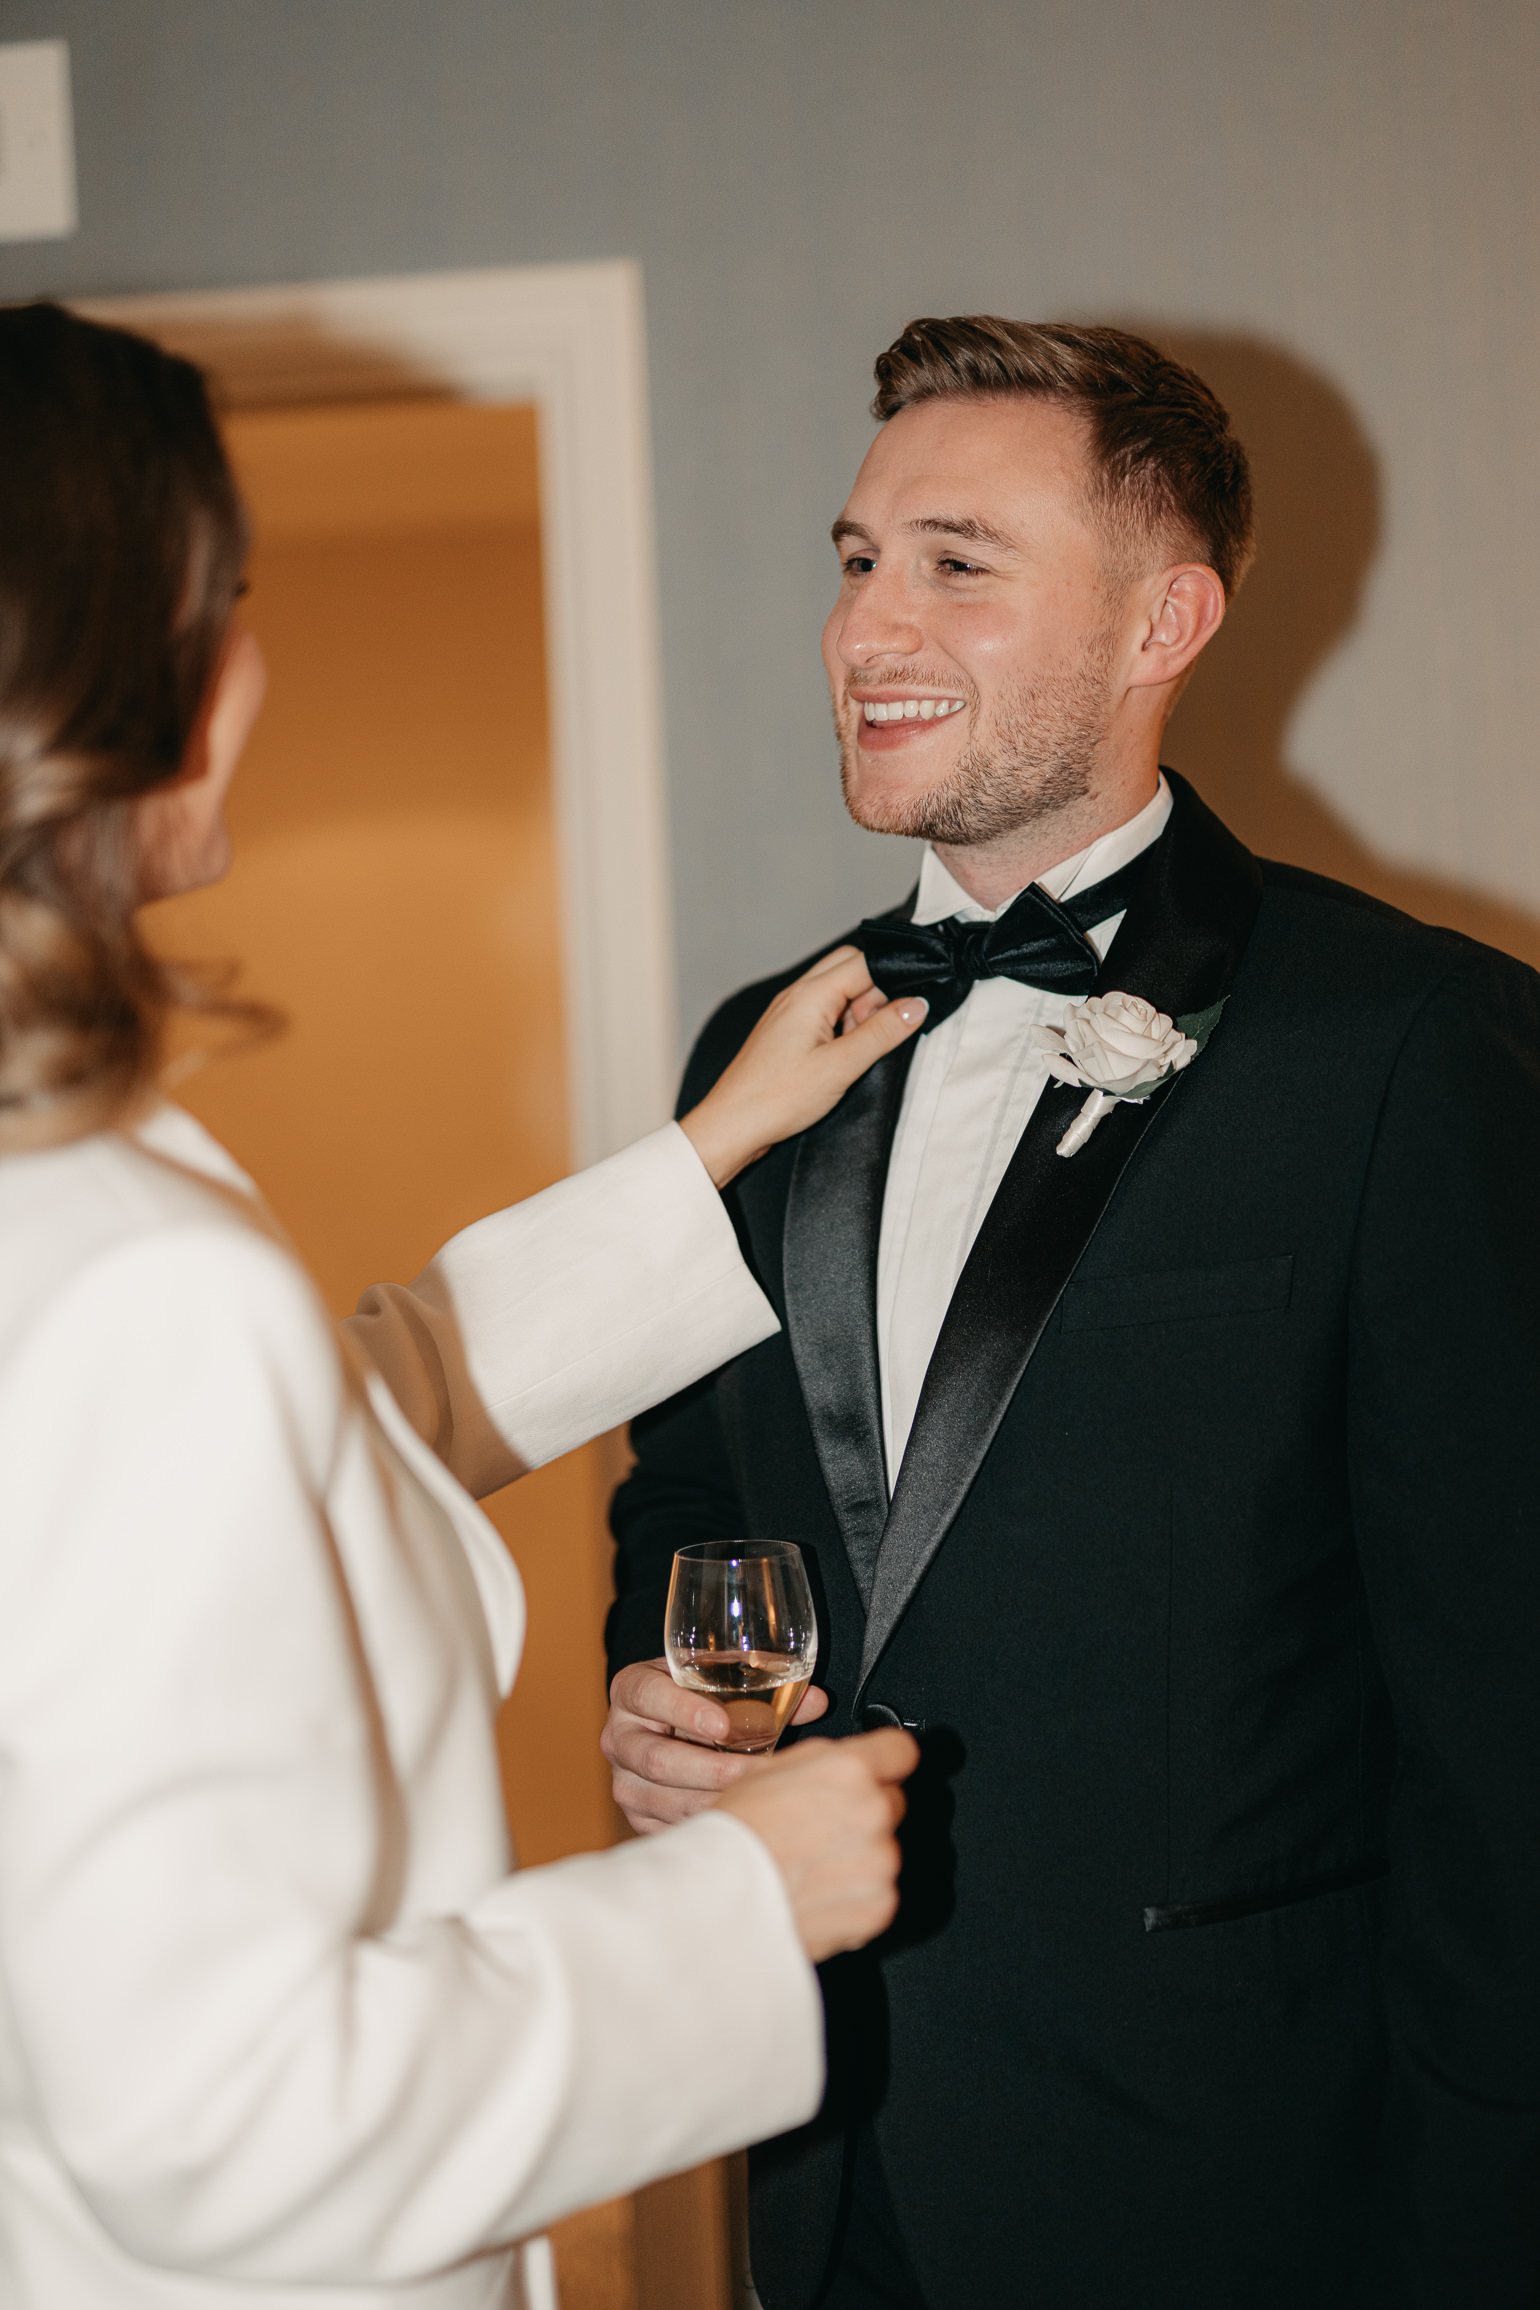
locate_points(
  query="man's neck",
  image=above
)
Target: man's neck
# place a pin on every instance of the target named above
(991, 872)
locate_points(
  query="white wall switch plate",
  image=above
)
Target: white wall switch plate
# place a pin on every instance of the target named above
(37, 142)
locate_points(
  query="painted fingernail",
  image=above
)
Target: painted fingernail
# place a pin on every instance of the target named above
(911, 1008)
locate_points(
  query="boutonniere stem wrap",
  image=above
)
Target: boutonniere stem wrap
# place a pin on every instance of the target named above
(1119, 1047)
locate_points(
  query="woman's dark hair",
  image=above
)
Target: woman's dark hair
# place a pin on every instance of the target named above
(122, 539)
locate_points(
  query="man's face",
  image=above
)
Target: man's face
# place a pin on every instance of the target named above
(972, 651)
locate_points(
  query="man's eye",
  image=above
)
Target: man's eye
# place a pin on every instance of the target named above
(959, 567)
(860, 564)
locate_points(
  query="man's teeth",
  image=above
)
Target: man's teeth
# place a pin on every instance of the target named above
(913, 710)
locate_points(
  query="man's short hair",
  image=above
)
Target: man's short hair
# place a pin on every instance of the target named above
(1168, 472)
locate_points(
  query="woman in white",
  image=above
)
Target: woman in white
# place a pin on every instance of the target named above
(277, 2025)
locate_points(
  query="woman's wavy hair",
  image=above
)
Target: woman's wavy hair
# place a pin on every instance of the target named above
(122, 540)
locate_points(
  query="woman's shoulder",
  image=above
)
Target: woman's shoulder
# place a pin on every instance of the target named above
(62, 1205)
(121, 1220)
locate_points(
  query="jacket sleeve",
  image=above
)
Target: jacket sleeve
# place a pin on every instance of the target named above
(256, 2052)
(557, 1319)
(1444, 1406)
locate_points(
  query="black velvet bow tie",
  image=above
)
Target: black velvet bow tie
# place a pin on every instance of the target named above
(1036, 941)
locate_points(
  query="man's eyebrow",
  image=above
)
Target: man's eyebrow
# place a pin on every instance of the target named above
(963, 525)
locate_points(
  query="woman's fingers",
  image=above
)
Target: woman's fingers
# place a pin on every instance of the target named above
(837, 979)
(889, 1755)
(871, 1038)
(843, 988)
(796, 1064)
(828, 1810)
(838, 959)
(863, 1007)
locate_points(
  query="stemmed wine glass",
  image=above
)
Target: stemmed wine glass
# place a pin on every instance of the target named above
(742, 1630)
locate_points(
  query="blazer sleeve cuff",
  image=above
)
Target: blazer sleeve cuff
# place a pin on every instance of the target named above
(567, 1314)
(692, 2017)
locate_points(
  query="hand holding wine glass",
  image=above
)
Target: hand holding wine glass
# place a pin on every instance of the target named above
(659, 1740)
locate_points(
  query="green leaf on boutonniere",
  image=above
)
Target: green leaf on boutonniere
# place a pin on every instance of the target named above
(1201, 1024)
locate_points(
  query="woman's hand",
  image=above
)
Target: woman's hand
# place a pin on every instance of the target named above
(829, 1810)
(817, 1038)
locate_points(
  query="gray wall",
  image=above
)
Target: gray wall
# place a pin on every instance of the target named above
(1333, 205)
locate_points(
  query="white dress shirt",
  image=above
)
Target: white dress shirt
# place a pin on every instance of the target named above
(972, 1086)
(279, 2027)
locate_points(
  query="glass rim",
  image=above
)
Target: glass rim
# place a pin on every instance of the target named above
(735, 1551)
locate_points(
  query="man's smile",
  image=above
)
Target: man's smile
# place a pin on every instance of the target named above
(909, 710)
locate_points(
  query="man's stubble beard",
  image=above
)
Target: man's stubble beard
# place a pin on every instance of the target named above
(1039, 762)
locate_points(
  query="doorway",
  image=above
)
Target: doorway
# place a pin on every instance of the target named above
(395, 894)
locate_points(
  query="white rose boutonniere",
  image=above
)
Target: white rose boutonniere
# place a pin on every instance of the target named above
(1119, 1047)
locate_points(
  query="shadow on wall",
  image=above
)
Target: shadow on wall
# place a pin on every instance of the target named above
(1318, 520)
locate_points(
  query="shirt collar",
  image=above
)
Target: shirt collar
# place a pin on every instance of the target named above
(942, 895)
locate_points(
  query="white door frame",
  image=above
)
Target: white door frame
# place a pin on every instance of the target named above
(571, 339)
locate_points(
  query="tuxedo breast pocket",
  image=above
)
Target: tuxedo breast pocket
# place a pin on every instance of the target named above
(1178, 1294)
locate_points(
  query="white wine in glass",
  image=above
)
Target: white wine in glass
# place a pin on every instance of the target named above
(741, 1630)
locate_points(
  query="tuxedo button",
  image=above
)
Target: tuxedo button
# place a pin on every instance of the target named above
(876, 1714)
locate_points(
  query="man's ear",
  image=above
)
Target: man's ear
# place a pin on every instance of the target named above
(1185, 608)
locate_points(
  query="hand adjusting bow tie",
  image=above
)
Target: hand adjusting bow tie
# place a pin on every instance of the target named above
(1037, 941)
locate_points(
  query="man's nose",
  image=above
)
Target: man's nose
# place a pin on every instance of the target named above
(880, 623)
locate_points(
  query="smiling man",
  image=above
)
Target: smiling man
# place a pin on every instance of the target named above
(1160, 1354)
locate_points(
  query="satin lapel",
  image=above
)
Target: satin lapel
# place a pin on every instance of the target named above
(1179, 946)
(833, 1218)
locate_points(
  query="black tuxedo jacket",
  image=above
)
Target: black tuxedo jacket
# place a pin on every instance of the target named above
(1212, 1575)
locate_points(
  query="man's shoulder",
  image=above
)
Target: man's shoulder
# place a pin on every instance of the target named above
(1313, 928)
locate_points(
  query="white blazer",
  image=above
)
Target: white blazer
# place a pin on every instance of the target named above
(277, 2026)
